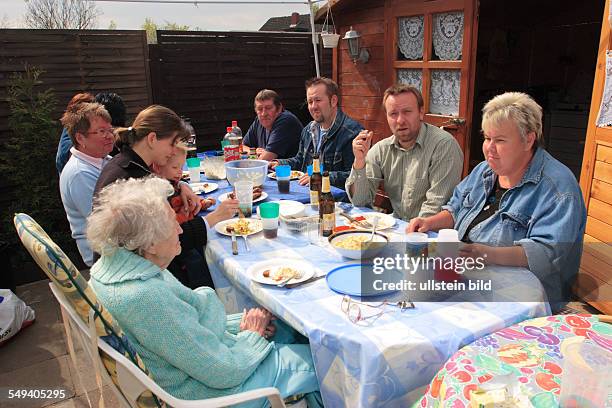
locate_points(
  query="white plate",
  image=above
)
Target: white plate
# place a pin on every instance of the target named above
(295, 175)
(291, 209)
(256, 270)
(262, 197)
(385, 221)
(205, 188)
(255, 226)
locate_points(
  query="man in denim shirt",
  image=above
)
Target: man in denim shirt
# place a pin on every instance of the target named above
(521, 207)
(330, 134)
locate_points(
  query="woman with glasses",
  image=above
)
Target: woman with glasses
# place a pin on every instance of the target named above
(152, 139)
(89, 128)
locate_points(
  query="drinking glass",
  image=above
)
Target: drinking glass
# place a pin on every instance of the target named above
(244, 195)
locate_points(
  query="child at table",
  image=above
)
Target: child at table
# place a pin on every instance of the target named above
(173, 171)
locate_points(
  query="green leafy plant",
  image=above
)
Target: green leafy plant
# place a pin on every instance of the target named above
(28, 161)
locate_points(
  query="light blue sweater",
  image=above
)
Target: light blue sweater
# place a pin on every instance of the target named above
(77, 183)
(192, 349)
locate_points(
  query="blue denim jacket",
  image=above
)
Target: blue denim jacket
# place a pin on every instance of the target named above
(336, 149)
(544, 213)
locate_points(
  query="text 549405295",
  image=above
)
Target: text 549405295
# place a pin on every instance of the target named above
(32, 393)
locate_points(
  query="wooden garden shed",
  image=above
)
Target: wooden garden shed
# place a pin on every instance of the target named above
(461, 53)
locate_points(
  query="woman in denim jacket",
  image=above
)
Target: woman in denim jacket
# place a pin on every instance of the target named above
(520, 207)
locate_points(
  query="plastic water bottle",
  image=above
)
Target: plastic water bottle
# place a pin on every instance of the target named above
(231, 147)
(235, 129)
(238, 134)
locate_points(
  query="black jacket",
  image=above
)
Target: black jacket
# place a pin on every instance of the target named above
(128, 164)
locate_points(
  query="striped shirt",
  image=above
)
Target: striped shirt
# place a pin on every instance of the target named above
(418, 180)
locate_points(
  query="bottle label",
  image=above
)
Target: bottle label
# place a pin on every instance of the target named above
(314, 197)
(231, 153)
(329, 222)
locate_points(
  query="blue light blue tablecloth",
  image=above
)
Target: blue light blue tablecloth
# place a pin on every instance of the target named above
(387, 364)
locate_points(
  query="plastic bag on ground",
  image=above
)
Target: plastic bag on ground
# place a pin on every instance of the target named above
(14, 315)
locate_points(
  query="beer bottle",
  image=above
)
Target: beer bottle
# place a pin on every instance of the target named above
(315, 182)
(327, 208)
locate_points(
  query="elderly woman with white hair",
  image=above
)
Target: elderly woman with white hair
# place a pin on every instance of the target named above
(520, 207)
(191, 347)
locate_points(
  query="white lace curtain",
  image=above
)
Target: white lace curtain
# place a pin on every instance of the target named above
(447, 40)
(411, 37)
(448, 35)
(412, 77)
(444, 92)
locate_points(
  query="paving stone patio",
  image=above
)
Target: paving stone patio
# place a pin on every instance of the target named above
(37, 358)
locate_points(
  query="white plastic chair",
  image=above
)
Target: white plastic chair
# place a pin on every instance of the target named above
(133, 381)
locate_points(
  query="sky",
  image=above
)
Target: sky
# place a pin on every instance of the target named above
(210, 17)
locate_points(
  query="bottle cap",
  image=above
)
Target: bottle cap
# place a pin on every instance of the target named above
(448, 235)
(269, 210)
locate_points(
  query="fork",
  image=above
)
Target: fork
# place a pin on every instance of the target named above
(246, 243)
(283, 283)
(373, 229)
(362, 223)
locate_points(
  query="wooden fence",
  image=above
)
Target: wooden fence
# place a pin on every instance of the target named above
(78, 61)
(212, 77)
(74, 61)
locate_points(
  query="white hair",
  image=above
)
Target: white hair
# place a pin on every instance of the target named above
(518, 108)
(130, 214)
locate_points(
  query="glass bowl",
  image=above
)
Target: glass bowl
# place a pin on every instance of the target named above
(247, 170)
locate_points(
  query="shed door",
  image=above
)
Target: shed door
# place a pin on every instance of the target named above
(595, 278)
(431, 45)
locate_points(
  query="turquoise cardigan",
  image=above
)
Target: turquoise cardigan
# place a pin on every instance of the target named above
(191, 347)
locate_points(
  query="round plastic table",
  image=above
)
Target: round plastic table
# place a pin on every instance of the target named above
(525, 359)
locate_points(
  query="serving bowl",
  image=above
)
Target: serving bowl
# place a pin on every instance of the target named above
(358, 250)
(213, 167)
(246, 170)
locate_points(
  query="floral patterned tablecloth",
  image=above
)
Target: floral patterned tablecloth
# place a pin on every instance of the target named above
(529, 352)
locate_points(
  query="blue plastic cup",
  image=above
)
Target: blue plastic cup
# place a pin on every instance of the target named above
(193, 162)
(283, 178)
(283, 171)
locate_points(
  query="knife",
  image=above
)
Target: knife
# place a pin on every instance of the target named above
(234, 244)
(314, 278)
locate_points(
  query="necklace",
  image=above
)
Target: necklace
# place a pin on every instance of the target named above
(148, 170)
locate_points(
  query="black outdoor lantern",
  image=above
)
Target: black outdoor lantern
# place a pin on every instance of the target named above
(357, 54)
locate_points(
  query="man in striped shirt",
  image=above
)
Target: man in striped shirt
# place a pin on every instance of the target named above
(420, 164)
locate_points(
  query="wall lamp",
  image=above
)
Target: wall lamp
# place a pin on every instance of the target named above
(357, 54)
